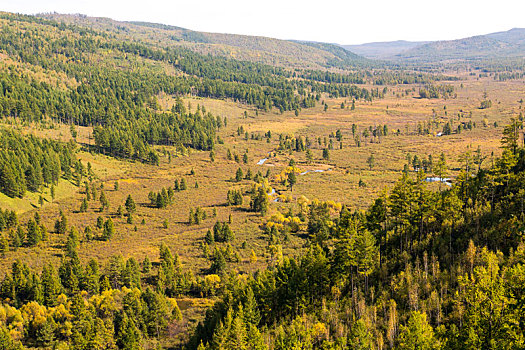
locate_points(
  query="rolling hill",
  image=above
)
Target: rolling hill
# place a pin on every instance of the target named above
(506, 44)
(476, 47)
(243, 47)
(383, 50)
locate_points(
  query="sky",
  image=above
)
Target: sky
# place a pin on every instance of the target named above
(334, 21)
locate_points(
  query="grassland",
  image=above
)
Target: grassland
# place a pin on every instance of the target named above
(215, 178)
(348, 166)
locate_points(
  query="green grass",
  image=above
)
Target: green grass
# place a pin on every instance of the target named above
(64, 189)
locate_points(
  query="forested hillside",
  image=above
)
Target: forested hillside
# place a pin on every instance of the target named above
(501, 45)
(283, 53)
(28, 163)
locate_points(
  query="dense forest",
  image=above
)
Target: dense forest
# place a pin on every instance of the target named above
(28, 163)
(74, 50)
(96, 79)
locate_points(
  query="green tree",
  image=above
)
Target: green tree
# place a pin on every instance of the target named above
(239, 175)
(417, 334)
(104, 204)
(61, 224)
(34, 234)
(7, 342)
(127, 333)
(490, 319)
(260, 202)
(209, 239)
(51, 286)
(83, 206)
(109, 230)
(130, 205)
(309, 156)
(73, 242)
(292, 179)
(360, 337)
(326, 154)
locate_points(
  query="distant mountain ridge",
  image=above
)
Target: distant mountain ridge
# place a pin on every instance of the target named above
(383, 50)
(503, 44)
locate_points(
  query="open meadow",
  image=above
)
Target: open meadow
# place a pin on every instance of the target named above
(339, 182)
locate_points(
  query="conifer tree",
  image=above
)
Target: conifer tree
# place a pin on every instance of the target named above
(109, 230)
(34, 234)
(130, 205)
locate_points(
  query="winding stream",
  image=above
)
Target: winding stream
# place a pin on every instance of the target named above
(314, 171)
(446, 181)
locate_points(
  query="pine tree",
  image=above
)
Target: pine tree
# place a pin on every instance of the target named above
(239, 175)
(7, 342)
(4, 244)
(51, 287)
(34, 235)
(209, 238)
(360, 337)
(61, 224)
(309, 156)
(255, 339)
(326, 154)
(104, 204)
(237, 336)
(146, 265)
(292, 179)
(130, 205)
(370, 161)
(260, 202)
(45, 334)
(127, 333)
(251, 311)
(109, 230)
(73, 241)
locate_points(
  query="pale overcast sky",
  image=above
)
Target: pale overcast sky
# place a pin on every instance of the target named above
(337, 21)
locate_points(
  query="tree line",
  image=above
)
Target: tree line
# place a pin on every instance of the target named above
(28, 163)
